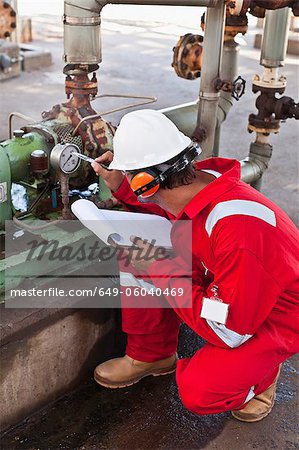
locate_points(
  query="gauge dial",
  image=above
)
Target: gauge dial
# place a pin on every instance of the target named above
(62, 158)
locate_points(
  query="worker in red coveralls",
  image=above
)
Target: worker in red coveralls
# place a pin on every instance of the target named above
(245, 273)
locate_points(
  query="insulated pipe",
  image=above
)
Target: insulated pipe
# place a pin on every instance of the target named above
(184, 116)
(275, 38)
(229, 71)
(211, 63)
(82, 20)
(253, 167)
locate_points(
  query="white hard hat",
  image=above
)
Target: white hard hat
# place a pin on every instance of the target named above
(146, 138)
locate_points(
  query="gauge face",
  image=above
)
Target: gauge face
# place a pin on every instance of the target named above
(62, 158)
(68, 162)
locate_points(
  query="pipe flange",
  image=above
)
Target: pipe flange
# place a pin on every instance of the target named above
(81, 85)
(187, 56)
(8, 21)
(237, 7)
(262, 126)
(295, 8)
(80, 69)
(235, 25)
(264, 85)
(257, 11)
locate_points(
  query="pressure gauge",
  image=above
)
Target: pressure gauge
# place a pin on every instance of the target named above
(62, 158)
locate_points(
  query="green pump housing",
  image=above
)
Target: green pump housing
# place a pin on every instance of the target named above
(14, 166)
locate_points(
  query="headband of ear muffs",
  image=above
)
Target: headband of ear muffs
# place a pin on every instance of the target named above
(146, 183)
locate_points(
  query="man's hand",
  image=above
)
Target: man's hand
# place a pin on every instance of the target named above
(112, 178)
(143, 254)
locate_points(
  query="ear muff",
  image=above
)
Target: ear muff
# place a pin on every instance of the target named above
(145, 184)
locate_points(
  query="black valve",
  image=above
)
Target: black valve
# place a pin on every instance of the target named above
(238, 88)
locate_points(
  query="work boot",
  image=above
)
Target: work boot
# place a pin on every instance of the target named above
(259, 406)
(122, 372)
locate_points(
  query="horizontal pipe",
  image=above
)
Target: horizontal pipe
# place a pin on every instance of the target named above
(183, 116)
(98, 5)
(82, 22)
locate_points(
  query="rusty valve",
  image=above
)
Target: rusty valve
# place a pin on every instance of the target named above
(187, 56)
(236, 87)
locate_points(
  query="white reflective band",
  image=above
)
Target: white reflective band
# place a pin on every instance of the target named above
(239, 207)
(212, 172)
(229, 337)
(250, 395)
(128, 279)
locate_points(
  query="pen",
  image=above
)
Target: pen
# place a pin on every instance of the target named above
(90, 160)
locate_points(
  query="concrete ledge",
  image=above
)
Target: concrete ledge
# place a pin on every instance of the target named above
(11, 50)
(46, 353)
(34, 58)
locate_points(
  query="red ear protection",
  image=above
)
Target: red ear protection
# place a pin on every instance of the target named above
(145, 184)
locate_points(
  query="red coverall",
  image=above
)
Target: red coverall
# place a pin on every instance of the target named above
(248, 247)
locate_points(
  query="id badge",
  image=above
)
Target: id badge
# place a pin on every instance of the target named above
(214, 309)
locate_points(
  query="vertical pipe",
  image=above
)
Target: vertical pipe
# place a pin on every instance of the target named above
(211, 63)
(229, 69)
(275, 38)
(273, 52)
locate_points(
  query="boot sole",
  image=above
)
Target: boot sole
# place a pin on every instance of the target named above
(110, 385)
(257, 419)
(251, 420)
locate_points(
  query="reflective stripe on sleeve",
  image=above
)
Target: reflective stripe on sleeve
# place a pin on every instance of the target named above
(239, 207)
(229, 337)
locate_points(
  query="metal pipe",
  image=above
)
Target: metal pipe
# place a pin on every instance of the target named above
(82, 20)
(185, 116)
(98, 5)
(272, 56)
(20, 116)
(253, 167)
(211, 63)
(250, 170)
(275, 38)
(229, 71)
(147, 101)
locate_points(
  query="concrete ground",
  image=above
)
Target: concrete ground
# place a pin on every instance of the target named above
(136, 60)
(150, 416)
